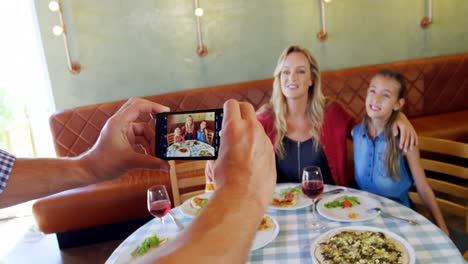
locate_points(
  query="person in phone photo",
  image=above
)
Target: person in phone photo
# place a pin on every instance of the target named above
(202, 133)
(188, 131)
(380, 166)
(178, 138)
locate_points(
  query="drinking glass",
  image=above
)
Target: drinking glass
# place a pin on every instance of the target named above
(159, 203)
(312, 187)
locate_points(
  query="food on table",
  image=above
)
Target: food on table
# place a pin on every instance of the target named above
(183, 150)
(149, 243)
(188, 143)
(344, 201)
(198, 202)
(353, 215)
(357, 246)
(196, 143)
(175, 147)
(205, 153)
(287, 198)
(266, 223)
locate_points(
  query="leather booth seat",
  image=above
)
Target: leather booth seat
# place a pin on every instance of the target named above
(436, 104)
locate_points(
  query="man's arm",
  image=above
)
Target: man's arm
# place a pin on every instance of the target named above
(245, 177)
(35, 178)
(112, 156)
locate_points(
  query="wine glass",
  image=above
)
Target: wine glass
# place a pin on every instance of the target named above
(312, 187)
(159, 203)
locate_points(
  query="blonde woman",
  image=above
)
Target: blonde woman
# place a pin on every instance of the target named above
(188, 130)
(304, 127)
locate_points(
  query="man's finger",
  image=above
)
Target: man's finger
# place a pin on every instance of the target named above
(144, 130)
(231, 111)
(133, 111)
(126, 104)
(247, 111)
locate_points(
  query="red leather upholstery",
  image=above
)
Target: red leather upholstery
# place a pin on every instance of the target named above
(436, 86)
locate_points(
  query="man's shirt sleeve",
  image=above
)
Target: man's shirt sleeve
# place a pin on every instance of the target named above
(6, 164)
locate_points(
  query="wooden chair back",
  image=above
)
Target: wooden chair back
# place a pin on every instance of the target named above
(170, 139)
(187, 179)
(210, 137)
(451, 187)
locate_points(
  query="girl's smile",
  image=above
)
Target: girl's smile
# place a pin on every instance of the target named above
(382, 98)
(374, 108)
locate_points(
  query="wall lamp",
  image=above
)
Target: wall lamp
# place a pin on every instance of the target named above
(201, 48)
(322, 34)
(56, 6)
(427, 21)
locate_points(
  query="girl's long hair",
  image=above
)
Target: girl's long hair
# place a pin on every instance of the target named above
(189, 127)
(315, 102)
(392, 151)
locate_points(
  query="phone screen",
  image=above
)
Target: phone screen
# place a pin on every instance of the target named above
(188, 135)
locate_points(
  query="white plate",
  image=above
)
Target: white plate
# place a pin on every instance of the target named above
(325, 236)
(342, 214)
(301, 202)
(187, 209)
(125, 256)
(210, 151)
(264, 237)
(179, 153)
(188, 143)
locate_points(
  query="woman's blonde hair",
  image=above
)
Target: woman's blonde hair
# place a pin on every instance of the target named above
(187, 126)
(392, 151)
(315, 101)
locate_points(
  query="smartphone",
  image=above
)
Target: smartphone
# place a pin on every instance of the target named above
(188, 135)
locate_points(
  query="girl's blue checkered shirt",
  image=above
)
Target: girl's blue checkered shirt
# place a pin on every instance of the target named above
(6, 164)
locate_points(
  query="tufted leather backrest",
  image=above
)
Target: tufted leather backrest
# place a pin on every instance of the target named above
(435, 85)
(76, 130)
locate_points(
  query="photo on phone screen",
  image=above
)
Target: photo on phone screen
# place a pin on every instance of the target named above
(188, 135)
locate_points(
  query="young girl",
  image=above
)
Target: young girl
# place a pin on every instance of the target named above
(177, 136)
(380, 166)
(189, 128)
(202, 133)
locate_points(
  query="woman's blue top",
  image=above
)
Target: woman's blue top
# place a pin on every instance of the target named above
(201, 136)
(370, 167)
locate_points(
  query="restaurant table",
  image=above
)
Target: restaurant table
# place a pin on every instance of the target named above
(292, 245)
(193, 146)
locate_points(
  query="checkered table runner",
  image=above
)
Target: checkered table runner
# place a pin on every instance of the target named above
(292, 245)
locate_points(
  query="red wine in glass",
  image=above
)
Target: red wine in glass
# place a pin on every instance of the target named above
(160, 208)
(158, 202)
(312, 189)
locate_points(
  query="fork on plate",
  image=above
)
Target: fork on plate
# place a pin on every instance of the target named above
(392, 216)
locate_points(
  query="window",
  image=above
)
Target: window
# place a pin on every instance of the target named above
(25, 95)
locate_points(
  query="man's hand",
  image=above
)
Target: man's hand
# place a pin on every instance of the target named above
(123, 144)
(246, 160)
(408, 136)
